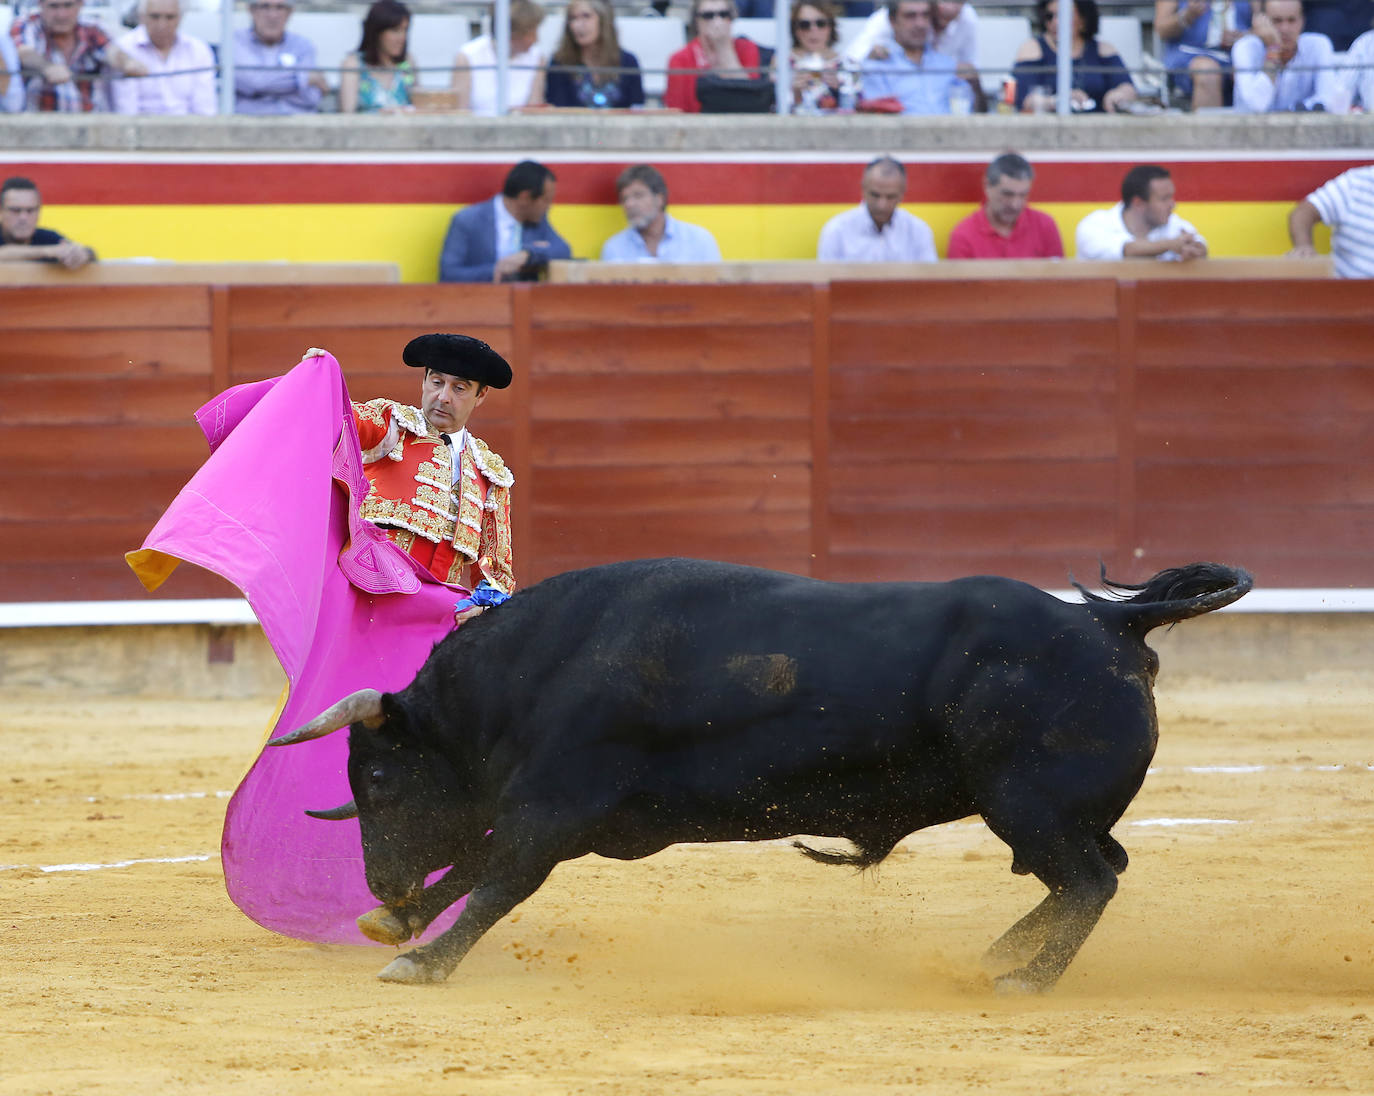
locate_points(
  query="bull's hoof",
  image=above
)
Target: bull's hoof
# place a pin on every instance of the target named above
(1016, 984)
(406, 970)
(384, 927)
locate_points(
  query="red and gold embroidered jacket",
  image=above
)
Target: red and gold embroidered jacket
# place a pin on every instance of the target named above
(445, 524)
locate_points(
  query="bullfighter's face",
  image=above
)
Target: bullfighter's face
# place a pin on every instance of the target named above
(448, 402)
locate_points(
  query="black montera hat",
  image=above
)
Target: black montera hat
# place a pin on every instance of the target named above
(458, 356)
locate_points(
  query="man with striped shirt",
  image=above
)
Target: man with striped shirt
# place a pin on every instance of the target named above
(1346, 203)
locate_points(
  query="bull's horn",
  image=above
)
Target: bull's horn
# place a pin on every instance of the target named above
(364, 706)
(337, 814)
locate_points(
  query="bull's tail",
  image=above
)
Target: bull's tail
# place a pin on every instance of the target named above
(1172, 595)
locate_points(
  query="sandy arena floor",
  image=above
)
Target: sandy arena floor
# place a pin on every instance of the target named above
(1237, 957)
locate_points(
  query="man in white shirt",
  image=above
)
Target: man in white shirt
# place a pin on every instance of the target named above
(1291, 71)
(651, 233)
(181, 69)
(1143, 225)
(877, 231)
(1346, 203)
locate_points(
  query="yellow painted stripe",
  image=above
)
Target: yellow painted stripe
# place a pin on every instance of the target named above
(411, 235)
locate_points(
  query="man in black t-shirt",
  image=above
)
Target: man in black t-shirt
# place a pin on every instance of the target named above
(21, 240)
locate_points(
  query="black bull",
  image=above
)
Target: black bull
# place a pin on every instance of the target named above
(622, 709)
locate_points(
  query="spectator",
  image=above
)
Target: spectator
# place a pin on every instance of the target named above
(1143, 225)
(1357, 78)
(1342, 21)
(589, 68)
(21, 240)
(651, 232)
(1292, 71)
(1197, 44)
(956, 35)
(508, 237)
(1346, 203)
(712, 48)
(1005, 227)
(274, 69)
(378, 78)
(815, 60)
(915, 73)
(71, 60)
(181, 68)
(474, 69)
(877, 231)
(1100, 80)
(11, 77)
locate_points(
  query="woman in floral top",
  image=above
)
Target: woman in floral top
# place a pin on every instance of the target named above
(380, 75)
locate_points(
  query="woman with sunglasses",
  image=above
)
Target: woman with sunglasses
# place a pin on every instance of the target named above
(711, 48)
(589, 69)
(815, 60)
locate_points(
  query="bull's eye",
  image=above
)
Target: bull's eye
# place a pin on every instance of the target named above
(378, 775)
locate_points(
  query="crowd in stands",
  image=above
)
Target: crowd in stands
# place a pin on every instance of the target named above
(911, 56)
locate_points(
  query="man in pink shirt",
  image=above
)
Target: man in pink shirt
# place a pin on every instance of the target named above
(181, 68)
(1004, 226)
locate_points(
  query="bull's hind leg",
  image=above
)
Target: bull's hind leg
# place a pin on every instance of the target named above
(1081, 882)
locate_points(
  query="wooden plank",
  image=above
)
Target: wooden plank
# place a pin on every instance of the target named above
(676, 397)
(1050, 569)
(100, 492)
(1235, 302)
(417, 308)
(1335, 481)
(1061, 528)
(634, 491)
(864, 394)
(1126, 417)
(1257, 389)
(31, 445)
(160, 273)
(1223, 440)
(990, 437)
(821, 354)
(605, 349)
(593, 445)
(103, 579)
(137, 402)
(64, 308)
(985, 301)
(106, 353)
(724, 536)
(908, 484)
(271, 351)
(520, 451)
(556, 562)
(63, 537)
(1212, 530)
(1262, 344)
(577, 306)
(957, 343)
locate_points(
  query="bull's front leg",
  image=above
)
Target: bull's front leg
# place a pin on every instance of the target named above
(488, 902)
(397, 924)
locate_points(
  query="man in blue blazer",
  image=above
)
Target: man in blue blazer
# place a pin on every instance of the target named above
(507, 238)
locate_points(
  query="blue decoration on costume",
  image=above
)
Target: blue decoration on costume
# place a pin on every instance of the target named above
(485, 596)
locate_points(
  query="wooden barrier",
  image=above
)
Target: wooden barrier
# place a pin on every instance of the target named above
(855, 430)
(141, 272)
(574, 272)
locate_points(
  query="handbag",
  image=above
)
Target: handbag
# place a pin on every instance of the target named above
(734, 95)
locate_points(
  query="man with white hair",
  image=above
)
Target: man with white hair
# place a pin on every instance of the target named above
(181, 69)
(274, 69)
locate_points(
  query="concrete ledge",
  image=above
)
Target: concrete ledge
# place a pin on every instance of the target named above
(645, 135)
(228, 611)
(235, 661)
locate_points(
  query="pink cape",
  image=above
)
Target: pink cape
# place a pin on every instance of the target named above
(275, 511)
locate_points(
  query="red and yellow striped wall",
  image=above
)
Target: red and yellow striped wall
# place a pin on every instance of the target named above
(255, 207)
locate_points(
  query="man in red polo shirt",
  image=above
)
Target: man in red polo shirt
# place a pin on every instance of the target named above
(1004, 226)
